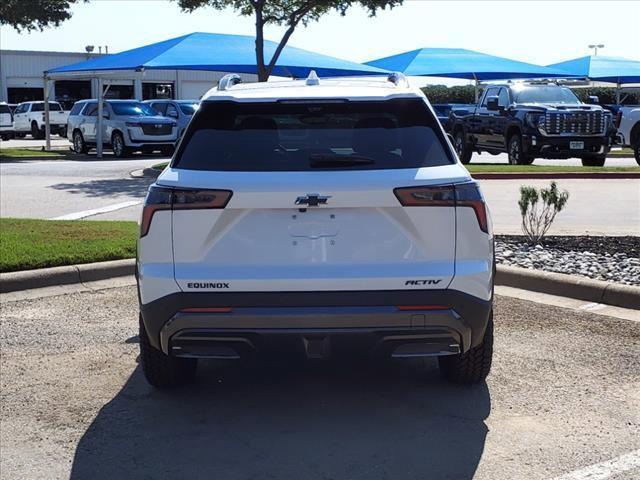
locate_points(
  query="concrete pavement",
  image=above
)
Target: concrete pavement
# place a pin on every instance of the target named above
(562, 396)
(75, 189)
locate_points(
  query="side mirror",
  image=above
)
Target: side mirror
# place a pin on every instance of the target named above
(492, 104)
(172, 114)
(105, 115)
(594, 100)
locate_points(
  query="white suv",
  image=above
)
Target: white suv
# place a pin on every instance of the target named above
(318, 217)
(127, 126)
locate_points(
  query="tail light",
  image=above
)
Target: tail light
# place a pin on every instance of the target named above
(461, 195)
(165, 198)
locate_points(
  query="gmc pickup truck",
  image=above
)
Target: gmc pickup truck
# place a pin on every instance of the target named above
(529, 120)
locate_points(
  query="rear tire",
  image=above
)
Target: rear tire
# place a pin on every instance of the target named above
(36, 133)
(516, 152)
(462, 147)
(594, 161)
(474, 365)
(164, 371)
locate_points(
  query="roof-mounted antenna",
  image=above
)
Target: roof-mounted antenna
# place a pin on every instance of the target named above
(313, 78)
(398, 79)
(229, 81)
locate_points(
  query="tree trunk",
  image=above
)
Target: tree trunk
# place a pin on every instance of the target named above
(263, 74)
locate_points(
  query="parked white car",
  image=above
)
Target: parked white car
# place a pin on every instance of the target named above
(627, 122)
(29, 118)
(320, 217)
(6, 122)
(180, 110)
(128, 125)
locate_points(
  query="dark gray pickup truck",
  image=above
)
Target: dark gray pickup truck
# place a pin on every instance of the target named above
(531, 120)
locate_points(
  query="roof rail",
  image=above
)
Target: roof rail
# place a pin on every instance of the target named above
(229, 81)
(397, 79)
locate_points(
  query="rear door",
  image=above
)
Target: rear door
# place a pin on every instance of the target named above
(310, 200)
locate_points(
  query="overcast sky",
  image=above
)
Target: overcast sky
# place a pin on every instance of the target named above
(539, 32)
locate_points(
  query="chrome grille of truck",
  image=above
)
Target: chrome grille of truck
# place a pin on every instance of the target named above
(575, 123)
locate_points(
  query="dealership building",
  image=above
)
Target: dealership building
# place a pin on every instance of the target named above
(21, 79)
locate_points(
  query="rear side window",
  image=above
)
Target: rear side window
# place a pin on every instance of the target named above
(39, 107)
(307, 136)
(5, 109)
(76, 109)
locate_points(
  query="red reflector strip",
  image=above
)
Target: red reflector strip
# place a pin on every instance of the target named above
(208, 310)
(423, 307)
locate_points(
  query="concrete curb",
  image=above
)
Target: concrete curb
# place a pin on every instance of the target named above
(581, 288)
(47, 277)
(596, 291)
(145, 173)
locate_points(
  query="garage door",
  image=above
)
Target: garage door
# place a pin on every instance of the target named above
(194, 90)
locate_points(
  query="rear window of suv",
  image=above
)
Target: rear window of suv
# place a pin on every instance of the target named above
(302, 136)
(39, 107)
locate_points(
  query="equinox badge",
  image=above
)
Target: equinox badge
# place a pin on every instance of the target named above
(312, 200)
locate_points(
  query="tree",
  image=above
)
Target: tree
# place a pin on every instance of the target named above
(289, 13)
(34, 14)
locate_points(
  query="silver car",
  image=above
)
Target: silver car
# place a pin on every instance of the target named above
(180, 110)
(128, 126)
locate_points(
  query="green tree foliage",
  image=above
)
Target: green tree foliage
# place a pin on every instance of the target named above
(287, 13)
(536, 218)
(34, 14)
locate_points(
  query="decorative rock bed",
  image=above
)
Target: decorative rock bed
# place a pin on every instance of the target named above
(613, 259)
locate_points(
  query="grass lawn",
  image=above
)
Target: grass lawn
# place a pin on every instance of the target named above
(26, 244)
(160, 166)
(28, 153)
(505, 168)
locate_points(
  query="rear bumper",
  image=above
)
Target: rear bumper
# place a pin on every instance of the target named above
(179, 324)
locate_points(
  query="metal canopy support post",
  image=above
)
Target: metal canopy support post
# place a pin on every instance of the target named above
(618, 93)
(477, 87)
(99, 138)
(47, 125)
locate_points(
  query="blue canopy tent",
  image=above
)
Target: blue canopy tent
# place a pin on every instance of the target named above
(221, 53)
(204, 51)
(616, 70)
(462, 63)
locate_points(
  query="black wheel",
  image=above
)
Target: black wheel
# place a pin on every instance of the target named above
(636, 150)
(594, 161)
(117, 145)
(516, 153)
(166, 151)
(78, 143)
(462, 147)
(472, 366)
(36, 133)
(63, 132)
(164, 371)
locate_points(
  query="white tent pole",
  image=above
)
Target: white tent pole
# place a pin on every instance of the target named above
(47, 125)
(99, 120)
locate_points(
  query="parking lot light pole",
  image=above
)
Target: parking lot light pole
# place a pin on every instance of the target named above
(595, 47)
(99, 119)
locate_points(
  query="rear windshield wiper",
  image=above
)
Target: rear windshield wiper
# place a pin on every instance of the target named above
(328, 160)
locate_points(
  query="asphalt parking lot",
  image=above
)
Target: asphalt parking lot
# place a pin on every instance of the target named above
(564, 394)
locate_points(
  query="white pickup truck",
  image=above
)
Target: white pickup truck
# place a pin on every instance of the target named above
(627, 121)
(29, 118)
